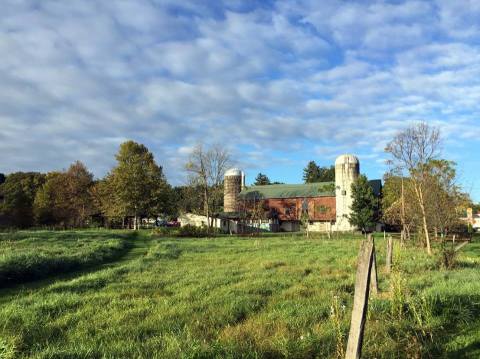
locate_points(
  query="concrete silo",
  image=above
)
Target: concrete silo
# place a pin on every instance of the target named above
(234, 180)
(347, 170)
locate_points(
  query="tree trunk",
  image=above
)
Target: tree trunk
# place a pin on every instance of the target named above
(419, 193)
(206, 206)
(403, 211)
(425, 229)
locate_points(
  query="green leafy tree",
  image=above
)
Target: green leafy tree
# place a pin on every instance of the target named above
(314, 173)
(66, 199)
(311, 173)
(189, 199)
(18, 193)
(137, 183)
(107, 202)
(365, 205)
(2, 178)
(327, 174)
(262, 180)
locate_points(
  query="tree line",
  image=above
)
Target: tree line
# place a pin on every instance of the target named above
(135, 187)
(420, 193)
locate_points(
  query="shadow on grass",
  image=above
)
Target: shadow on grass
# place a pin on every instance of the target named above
(470, 351)
(467, 265)
(457, 312)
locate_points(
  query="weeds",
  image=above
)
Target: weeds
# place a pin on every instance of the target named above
(337, 313)
(399, 295)
(447, 256)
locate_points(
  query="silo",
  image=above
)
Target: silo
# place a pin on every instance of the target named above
(347, 170)
(233, 181)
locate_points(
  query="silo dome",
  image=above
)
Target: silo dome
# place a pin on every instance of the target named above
(233, 172)
(347, 158)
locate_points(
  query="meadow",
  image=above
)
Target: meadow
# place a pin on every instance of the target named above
(25, 256)
(226, 297)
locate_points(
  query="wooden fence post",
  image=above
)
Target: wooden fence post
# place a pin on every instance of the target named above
(373, 271)
(388, 261)
(360, 301)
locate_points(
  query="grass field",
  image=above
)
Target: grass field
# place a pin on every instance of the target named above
(25, 256)
(236, 297)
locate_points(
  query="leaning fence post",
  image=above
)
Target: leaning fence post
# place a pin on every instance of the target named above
(360, 300)
(388, 261)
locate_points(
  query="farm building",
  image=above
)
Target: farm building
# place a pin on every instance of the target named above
(473, 219)
(325, 206)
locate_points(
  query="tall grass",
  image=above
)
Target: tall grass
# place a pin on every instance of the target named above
(245, 297)
(30, 255)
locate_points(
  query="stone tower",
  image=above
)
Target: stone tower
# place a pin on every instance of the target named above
(234, 181)
(347, 170)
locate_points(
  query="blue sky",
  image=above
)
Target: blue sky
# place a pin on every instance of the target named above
(279, 83)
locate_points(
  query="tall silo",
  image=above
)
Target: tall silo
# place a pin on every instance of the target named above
(233, 181)
(347, 170)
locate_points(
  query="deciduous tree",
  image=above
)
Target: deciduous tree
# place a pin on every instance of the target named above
(411, 151)
(18, 192)
(65, 198)
(137, 183)
(207, 167)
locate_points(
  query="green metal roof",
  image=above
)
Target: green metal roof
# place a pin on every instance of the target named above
(320, 189)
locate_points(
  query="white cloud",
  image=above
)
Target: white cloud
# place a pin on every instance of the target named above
(278, 78)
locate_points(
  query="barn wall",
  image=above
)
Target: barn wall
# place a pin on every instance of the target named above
(290, 209)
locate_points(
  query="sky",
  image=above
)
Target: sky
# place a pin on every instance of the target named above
(277, 83)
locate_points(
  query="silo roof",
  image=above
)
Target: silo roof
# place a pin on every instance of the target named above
(347, 158)
(233, 172)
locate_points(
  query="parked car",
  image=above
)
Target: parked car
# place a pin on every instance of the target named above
(161, 223)
(173, 223)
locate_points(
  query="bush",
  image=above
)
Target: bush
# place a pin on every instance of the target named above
(448, 256)
(196, 232)
(165, 231)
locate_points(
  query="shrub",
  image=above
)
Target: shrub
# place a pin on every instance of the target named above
(165, 231)
(196, 232)
(448, 256)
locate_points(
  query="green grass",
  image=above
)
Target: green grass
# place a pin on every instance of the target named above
(243, 297)
(31, 255)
